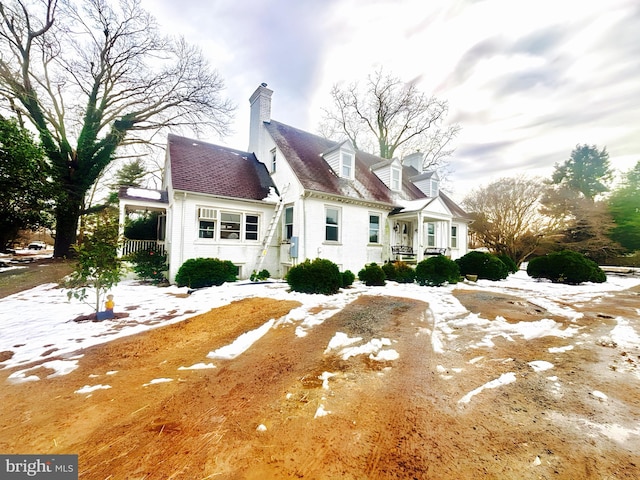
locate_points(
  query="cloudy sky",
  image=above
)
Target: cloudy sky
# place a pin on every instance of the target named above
(527, 80)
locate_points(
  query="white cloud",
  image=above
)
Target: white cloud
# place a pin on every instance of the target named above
(528, 79)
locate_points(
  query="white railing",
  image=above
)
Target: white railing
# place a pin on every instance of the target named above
(132, 246)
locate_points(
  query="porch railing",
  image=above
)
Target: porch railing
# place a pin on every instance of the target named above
(132, 246)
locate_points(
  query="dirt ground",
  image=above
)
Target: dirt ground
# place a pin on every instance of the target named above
(257, 416)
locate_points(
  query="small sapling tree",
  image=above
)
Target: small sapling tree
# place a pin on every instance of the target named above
(98, 266)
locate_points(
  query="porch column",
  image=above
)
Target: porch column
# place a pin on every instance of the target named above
(420, 246)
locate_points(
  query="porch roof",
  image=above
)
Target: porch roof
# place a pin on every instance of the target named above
(132, 198)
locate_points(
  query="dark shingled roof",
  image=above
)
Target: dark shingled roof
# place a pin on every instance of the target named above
(202, 167)
(303, 152)
(453, 207)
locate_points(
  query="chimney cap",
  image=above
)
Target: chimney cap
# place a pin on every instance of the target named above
(263, 84)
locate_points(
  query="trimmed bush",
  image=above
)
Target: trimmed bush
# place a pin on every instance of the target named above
(389, 270)
(372, 275)
(482, 264)
(348, 277)
(508, 262)
(400, 272)
(149, 264)
(317, 276)
(259, 276)
(205, 272)
(567, 267)
(436, 271)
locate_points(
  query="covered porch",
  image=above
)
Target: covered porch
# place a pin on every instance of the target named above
(417, 235)
(142, 201)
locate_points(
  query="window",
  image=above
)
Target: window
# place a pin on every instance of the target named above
(251, 227)
(374, 228)
(288, 223)
(230, 225)
(331, 224)
(273, 161)
(206, 222)
(431, 234)
(434, 188)
(395, 179)
(454, 236)
(347, 164)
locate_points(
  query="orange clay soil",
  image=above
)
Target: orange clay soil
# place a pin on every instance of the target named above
(267, 414)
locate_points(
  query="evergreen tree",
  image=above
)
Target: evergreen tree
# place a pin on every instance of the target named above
(624, 205)
(25, 191)
(587, 171)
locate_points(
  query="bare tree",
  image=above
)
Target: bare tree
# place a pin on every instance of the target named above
(507, 218)
(390, 117)
(93, 76)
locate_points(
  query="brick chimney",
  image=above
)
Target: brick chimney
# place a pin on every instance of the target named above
(260, 112)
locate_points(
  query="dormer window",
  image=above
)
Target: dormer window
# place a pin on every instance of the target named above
(342, 160)
(428, 183)
(346, 164)
(434, 187)
(395, 179)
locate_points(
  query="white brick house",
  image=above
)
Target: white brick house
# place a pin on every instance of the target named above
(294, 196)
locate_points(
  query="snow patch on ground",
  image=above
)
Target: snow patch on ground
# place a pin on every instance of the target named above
(504, 379)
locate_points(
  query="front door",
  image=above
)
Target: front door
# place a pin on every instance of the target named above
(403, 232)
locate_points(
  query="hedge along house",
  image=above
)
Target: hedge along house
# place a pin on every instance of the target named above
(295, 196)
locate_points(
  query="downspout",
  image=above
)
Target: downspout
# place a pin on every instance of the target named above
(182, 227)
(304, 196)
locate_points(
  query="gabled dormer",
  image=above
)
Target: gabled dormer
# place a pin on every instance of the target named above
(428, 183)
(390, 172)
(342, 159)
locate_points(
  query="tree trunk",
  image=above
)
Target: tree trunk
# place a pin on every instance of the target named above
(67, 215)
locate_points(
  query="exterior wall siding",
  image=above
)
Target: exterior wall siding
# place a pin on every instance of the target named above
(185, 243)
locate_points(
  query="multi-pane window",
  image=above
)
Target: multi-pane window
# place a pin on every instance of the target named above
(288, 223)
(273, 161)
(332, 217)
(434, 188)
(251, 227)
(431, 234)
(206, 222)
(454, 236)
(214, 224)
(374, 228)
(230, 225)
(347, 165)
(395, 179)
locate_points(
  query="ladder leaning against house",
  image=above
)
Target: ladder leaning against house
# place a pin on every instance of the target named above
(271, 230)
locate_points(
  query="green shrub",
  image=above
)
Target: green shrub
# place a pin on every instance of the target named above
(205, 272)
(348, 277)
(389, 270)
(317, 276)
(149, 264)
(400, 272)
(259, 276)
(566, 267)
(372, 275)
(436, 271)
(508, 262)
(482, 264)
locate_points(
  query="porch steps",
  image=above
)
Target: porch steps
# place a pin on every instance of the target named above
(271, 230)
